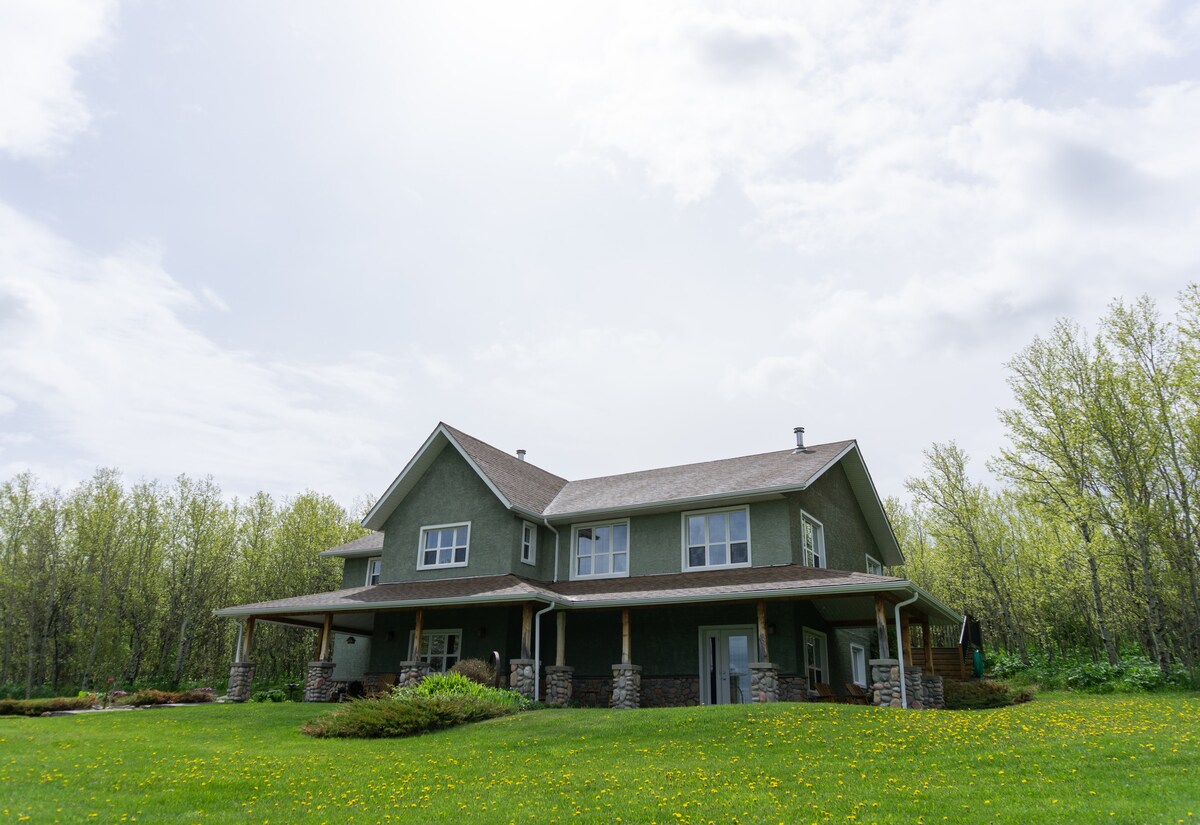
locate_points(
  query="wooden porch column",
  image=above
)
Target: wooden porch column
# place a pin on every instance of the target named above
(560, 638)
(323, 639)
(881, 626)
(626, 657)
(904, 634)
(526, 630)
(418, 631)
(927, 642)
(248, 640)
(763, 654)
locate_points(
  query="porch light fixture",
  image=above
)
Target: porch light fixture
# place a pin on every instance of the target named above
(350, 640)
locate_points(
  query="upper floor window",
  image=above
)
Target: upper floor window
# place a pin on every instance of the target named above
(374, 569)
(717, 538)
(874, 566)
(600, 550)
(812, 538)
(528, 542)
(444, 545)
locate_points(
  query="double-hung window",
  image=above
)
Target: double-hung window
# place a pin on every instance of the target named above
(528, 543)
(858, 664)
(439, 648)
(444, 545)
(816, 658)
(812, 539)
(600, 550)
(374, 569)
(716, 538)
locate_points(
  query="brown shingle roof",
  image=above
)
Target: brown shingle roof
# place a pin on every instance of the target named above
(766, 471)
(526, 486)
(363, 544)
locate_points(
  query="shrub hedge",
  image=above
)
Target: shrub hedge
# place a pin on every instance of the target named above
(36, 707)
(980, 694)
(412, 715)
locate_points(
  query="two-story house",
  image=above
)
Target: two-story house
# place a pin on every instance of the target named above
(758, 578)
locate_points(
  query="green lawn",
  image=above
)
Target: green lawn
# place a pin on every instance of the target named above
(1061, 758)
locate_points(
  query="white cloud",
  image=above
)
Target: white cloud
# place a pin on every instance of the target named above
(40, 108)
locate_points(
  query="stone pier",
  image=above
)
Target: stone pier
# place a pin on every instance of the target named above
(520, 677)
(241, 674)
(934, 690)
(764, 682)
(627, 687)
(559, 680)
(318, 682)
(411, 674)
(924, 691)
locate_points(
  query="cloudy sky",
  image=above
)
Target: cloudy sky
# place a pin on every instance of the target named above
(278, 241)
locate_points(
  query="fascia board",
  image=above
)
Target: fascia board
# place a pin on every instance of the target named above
(229, 612)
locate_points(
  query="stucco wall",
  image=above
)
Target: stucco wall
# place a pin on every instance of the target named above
(847, 537)
(354, 573)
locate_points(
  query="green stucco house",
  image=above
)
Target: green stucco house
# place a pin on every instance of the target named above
(751, 579)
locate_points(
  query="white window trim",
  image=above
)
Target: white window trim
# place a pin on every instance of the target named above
(415, 654)
(683, 539)
(374, 559)
(819, 534)
(877, 563)
(575, 528)
(533, 538)
(808, 631)
(421, 546)
(863, 651)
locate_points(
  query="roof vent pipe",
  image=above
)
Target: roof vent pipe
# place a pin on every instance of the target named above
(520, 455)
(799, 431)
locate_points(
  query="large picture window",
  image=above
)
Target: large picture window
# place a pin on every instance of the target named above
(601, 551)
(812, 538)
(716, 538)
(441, 649)
(444, 545)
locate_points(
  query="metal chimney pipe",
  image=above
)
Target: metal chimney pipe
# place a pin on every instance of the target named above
(799, 431)
(520, 455)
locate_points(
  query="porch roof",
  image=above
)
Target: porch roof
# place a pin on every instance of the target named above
(847, 597)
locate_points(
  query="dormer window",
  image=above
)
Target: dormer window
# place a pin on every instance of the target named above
(374, 569)
(444, 545)
(812, 539)
(716, 538)
(528, 542)
(874, 566)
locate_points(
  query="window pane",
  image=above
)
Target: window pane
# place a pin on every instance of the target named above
(452, 644)
(460, 555)
(447, 537)
(695, 530)
(695, 557)
(739, 553)
(716, 527)
(437, 644)
(460, 537)
(585, 566)
(618, 562)
(431, 539)
(585, 542)
(430, 557)
(716, 554)
(601, 565)
(620, 539)
(737, 526)
(603, 539)
(444, 555)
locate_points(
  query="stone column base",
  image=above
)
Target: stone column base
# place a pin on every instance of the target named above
(559, 679)
(318, 682)
(412, 673)
(934, 690)
(764, 682)
(627, 687)
(520, 677)
(885, 683)
(241, 674)
(914, 688)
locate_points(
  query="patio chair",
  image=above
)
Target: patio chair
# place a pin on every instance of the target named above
(858, 696)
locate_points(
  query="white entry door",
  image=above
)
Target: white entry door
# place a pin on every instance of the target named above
(725, 664)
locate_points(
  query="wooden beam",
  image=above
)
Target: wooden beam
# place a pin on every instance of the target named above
(418, 632)
(527, 631)
(927, 643)
(626, 654)
(764, 655)
(881, 627)
(560, 639)
(248, 640)
(323, 649)
(907, 637)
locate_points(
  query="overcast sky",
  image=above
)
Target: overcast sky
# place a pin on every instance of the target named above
(277, 242)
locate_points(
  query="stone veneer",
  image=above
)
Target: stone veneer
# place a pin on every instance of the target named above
(558, 684)
(764, 682)
(923, 691)
(241, 674)
(592, 691)
(411, 674)
(318, 682)
(934, 690)
(793, 688)
(521, 676)
(627, 687)
(670, 691)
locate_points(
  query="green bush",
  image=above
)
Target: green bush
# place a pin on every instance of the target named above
(476, 670)
(36, 707)
(455, 684)
(409, 716)
(275, 695)
(980, 694)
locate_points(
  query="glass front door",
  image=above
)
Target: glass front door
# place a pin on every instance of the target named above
(725, 664)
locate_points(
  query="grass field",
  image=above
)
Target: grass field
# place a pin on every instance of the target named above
(1059, 759)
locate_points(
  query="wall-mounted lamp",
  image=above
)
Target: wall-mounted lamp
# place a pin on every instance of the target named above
(350, 640)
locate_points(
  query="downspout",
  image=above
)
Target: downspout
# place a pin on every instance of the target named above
(537, 649)
(237, 653)
(900, 651)
(546, 521)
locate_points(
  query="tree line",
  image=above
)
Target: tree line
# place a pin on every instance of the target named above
(119, 582)
(1090, 537)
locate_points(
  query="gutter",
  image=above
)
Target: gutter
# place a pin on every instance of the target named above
(900, 648)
